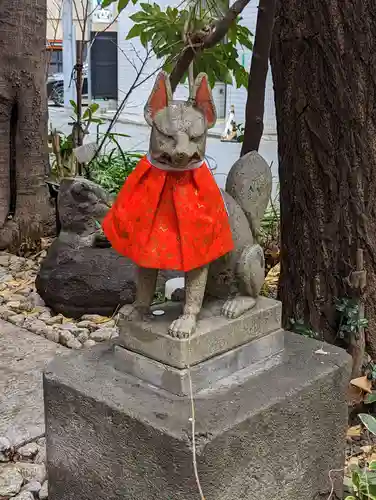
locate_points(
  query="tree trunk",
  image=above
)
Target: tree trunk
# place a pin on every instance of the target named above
(323, 61)
(23, 121)
(254, 112)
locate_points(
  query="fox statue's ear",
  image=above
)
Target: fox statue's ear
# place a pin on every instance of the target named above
(159, 98)
(204, 99)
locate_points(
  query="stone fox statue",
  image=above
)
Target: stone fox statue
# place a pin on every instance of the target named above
(170, 214)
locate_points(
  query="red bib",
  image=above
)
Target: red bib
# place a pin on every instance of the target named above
(169, 220)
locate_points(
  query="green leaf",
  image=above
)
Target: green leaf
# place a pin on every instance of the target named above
(74, 105)
(144, 38)
(94, 107)
(370, 398)
(147, 7)
(122, 5)
(369, 422)
(372, 465)
(106, 3)
(118, 134)
(135, 31)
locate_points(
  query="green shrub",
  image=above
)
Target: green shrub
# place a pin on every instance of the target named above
(111, 170)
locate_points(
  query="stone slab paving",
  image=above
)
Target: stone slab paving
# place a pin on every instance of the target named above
(23, 356)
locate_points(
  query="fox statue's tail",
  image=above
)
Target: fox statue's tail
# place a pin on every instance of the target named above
(249, 183)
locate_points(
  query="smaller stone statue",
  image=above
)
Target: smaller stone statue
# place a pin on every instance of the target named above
(170, 213)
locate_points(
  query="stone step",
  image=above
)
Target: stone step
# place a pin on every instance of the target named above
(214, 335)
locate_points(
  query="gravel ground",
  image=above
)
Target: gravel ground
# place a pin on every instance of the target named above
(21, 305)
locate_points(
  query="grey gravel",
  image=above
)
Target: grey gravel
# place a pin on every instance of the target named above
(4, 443)
(24, 495)
(33, 486)
(10, 481)
(32, 472)
(104, 334)
(29, 450)
(69, 340)
(43, 494)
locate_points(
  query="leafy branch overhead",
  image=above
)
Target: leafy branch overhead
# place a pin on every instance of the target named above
(194, 32)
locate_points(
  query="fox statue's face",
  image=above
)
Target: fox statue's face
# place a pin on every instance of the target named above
(179, 129)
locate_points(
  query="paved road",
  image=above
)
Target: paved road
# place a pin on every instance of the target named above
(221, 154)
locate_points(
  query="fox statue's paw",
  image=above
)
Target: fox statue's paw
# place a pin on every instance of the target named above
(236, 306)
(131, 312)
(184, 326)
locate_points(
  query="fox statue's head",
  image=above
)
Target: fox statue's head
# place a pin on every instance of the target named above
(179, 128)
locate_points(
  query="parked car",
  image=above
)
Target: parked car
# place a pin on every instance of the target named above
(55, 87)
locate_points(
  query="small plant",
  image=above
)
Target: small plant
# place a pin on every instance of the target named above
(110, 170)
(350, 321)
(240, 132)
(298, 326)
(269, 234)
(362, 483)
(62, 160)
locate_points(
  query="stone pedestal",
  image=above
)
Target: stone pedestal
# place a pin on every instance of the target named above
(270, 413)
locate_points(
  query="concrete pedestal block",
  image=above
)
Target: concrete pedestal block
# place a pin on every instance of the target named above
(268, 434)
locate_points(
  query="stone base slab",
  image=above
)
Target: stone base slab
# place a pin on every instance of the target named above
(214, 335)
(257, 355)
(272, 434)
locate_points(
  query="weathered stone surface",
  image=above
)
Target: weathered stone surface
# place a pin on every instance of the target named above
(74, 280)
(29, 450)
(77, 278)
(17, 320)
(257, 354)
(5, 444)
(277, 433)
(33, 487)
(32, 472)
(104, 334)
(214, 334)
(23, 357)
(10, 481)
(53, 335)
(83, 335)
(43, 494)
(54, 320)
(24, 495)
(41, 456)
(36, 326)
(69, 340)
(90, 343)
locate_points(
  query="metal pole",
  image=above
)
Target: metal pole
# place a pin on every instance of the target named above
(69, 52)
(88, 57)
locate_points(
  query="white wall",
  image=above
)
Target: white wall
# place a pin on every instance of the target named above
(126, 58)
(238, 97)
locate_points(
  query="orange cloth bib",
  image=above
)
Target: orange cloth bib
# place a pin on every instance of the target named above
(169, 220)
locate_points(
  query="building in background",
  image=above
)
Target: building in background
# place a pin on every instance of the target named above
(224, 95)
(102, 28)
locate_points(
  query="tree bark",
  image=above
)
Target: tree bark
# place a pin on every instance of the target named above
(23, 121)
(254, 112)
(323, 61)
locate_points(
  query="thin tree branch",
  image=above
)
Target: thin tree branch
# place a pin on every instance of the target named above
(77, 14)
(205, 40)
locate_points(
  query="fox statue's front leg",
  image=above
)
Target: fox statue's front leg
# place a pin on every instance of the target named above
(146, 283)
(195, 283)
